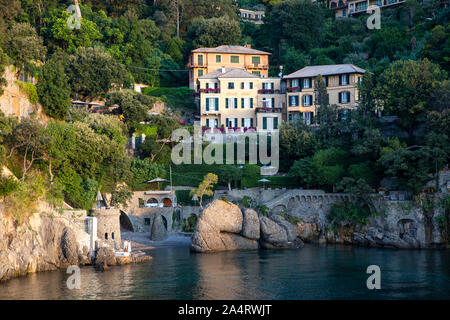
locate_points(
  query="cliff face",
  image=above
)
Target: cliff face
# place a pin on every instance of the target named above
(400, 225)
(47, 241)
(15, 102)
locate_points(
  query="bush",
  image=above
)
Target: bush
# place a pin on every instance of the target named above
(30, 90)
(348, 212)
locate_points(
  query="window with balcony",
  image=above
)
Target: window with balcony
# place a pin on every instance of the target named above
(294, 83)
(256, 61)
(234, 59)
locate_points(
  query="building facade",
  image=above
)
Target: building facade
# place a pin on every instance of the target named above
(342, 87)
(203, 61)
(234, 100)
(255, 16)
(345, 8)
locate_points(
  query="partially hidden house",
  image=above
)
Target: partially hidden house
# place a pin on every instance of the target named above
(341, 81)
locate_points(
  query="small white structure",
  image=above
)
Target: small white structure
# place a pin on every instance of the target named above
(91, 229)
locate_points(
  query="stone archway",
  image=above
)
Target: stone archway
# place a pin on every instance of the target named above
(152, 202)
(125, 222)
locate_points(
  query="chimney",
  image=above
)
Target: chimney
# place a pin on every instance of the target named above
(249, 46)
(223, 70)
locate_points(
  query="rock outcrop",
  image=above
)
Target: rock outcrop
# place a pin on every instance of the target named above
(43, 243)
(222, 226)
(251, 225)
(159, 230)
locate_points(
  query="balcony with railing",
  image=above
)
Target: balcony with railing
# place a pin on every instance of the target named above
(269, 91)
(294, 89)
(196, 65)
(257, 66)
(209, 90)
(267, 110)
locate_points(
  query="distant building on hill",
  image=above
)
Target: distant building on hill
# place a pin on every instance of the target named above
(345, 8)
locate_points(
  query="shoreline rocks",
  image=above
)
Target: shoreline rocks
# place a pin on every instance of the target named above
(222, 226)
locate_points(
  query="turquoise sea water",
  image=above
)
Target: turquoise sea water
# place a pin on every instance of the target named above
(313, 272)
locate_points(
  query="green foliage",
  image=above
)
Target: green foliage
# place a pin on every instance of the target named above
(92, 72)
(3, 63)
(53, 89)
(7, 186)
(143, 171)
(30, 90)
(120, 196)
(24, 45)
(346, 212)
(205, 188)
(148, 130)
(298, 22)
(405, 88)
(176, 98)
(133, 106)
(214, 32)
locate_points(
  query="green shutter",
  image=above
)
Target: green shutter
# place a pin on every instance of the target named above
(275, 123)
(251, 103)
(242, 122)
(235, 103)
(273, 102)
(207, 104)
(264, 123)
(235, 122)
(340, 97)
(251, 85)
(226, 103)
(340, 80)
(226, 122)
(242, 103)
(251, 122)
(217, 104)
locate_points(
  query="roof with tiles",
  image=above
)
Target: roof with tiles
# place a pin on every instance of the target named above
(313, 71)
(231, 49)
(228, 73)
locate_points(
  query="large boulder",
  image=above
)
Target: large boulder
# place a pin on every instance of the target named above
(250, 225)
(308, 232)
(105, 256)
(291, 230)
(159, 230)
(69, 247)
(218, 229)
(272, 232)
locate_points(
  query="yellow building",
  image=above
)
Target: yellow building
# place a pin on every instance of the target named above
(341, 81)
(233, 100)
(203, 61)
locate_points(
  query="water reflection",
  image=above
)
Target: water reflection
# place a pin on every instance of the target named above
(313, 272)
